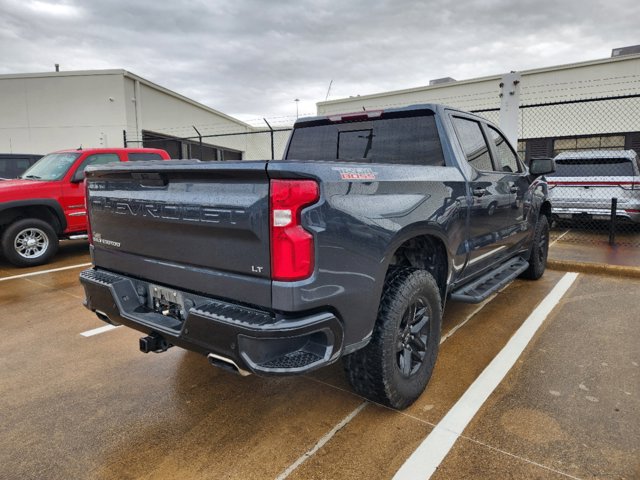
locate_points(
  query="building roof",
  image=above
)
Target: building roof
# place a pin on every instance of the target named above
(125, 73)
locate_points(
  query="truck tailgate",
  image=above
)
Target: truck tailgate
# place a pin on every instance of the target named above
(202, 227)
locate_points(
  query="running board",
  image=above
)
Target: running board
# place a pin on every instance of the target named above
(490, 282)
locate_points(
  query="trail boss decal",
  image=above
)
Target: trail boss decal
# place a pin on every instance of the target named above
(350, 173)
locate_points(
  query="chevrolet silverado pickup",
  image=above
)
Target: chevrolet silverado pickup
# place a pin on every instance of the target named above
(46, 203)
(347, 248)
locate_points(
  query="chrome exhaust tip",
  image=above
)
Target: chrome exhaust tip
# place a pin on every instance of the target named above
(227, 364)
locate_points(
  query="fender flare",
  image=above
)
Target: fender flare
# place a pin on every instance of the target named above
(413, 231)
(39, 202)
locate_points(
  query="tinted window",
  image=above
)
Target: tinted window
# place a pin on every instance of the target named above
(97, 159)
(12, 167)
(5, 167)
(593, 167)
(143, 157)
(404, 140)
(473, 143)
(506, 157)
(231, 155)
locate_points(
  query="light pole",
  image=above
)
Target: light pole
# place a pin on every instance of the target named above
(297, 100)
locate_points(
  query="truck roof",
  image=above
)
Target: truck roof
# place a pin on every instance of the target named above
(374, 113)
(107, 149)
(336, 117)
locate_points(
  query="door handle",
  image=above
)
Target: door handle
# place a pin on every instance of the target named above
(479, 192)
(513, 189)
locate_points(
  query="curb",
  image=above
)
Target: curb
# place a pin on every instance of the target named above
(597, 268)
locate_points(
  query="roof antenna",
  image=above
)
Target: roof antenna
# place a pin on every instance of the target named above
(80, 147)
(364, 109)
(328, 90)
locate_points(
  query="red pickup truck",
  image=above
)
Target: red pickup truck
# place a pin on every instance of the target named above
(47, 202)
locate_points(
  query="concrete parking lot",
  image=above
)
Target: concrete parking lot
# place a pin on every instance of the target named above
(76, 406)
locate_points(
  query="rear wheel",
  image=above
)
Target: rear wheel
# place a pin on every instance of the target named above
(396, 365)
(29, 242)
(539, 250)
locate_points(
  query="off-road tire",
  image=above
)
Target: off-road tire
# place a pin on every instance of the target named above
(29, 228)
(539, 250)
(375, 370)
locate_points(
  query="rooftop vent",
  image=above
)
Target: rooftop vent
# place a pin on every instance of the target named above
(619, 52)
(439, 81)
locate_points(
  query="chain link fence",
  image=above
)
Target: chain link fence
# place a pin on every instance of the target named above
(595, 190)
(234, 145)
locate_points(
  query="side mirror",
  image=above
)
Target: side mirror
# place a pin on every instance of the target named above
(78, 177)
(542, 166)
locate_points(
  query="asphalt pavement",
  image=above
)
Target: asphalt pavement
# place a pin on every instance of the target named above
(91, 406)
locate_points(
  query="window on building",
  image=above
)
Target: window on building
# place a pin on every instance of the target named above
(231, 155)
(597, 142)
(522, 148)
(182, 149)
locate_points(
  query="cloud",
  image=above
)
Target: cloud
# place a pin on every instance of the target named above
(252, 58)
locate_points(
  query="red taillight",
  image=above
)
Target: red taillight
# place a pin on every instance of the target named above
(292, 249)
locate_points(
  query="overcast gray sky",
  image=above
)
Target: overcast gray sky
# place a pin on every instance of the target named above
(252, 58)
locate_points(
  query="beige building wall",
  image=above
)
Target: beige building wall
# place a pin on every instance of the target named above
(599, 78)
(44, 112)
(52, 111)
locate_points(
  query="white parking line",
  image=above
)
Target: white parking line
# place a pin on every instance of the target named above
(321, 442)
(99, 330)
(431, 452)
(41, 272)
(551, 244)
(359, 408)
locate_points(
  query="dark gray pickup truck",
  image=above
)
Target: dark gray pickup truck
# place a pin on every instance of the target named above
(348, 247)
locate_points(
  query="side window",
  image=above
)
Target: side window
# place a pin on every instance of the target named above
(97, 159)
(143, 157)
(506, 157)
(473, 143)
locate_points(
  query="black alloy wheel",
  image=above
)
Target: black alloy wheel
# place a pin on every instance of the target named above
(395, 366)
(413, 337)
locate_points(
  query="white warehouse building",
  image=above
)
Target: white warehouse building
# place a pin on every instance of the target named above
(44, 112)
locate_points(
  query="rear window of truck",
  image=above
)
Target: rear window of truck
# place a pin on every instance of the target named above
(144, 157)
(593, 167)
(411, 140)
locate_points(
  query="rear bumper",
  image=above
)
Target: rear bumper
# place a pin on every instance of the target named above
(257, 341)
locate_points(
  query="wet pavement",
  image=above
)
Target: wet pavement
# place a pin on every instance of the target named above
(575, 247)
(75, 407)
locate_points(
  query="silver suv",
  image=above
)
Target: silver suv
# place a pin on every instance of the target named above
(585, 182)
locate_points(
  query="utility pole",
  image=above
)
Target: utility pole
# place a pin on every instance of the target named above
(509, 106)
